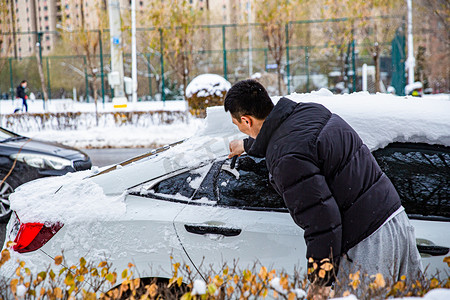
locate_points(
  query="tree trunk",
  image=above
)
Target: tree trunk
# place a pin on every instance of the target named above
(41, 76)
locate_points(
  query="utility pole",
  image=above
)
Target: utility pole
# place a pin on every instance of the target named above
(410, 62)
(115, 78)
(133, 50)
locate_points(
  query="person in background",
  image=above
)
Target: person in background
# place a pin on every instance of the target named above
(21, 93)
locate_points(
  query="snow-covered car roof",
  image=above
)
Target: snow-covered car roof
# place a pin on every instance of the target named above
(382, 119)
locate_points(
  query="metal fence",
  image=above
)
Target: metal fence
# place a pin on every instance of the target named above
(313, 56)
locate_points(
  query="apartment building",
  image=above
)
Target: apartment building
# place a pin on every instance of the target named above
(29, 17)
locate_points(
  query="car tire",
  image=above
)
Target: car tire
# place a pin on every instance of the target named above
(7, 187)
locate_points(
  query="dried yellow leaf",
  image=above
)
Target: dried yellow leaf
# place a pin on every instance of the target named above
(179, 281)
(322, 273)
(263, 273)
(379, 281)
(327, 266)
(434, 283)
(13, 285)
(311, 260)
(58, 260)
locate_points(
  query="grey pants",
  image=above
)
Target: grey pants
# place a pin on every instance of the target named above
(391, 251)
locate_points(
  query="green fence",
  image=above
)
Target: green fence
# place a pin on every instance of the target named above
(313, 55)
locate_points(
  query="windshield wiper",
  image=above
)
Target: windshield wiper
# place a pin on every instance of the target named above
(13, 138)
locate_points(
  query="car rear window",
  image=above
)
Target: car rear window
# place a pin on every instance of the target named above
(421, 175)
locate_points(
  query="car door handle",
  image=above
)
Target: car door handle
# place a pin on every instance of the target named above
(433, 250)
(207, 229)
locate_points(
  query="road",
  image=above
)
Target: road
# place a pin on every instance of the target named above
(100, 158)
(105, 157)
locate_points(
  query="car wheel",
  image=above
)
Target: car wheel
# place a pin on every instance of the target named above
(7, 187)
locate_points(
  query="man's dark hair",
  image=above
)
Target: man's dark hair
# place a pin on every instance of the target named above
(248, 97)
(23, 81)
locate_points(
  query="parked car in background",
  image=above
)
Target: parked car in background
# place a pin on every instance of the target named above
(185, 201)
(23, 159)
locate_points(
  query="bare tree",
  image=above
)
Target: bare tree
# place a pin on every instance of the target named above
(6, 29)
(83, 37)
(274, 17)
(176, 22)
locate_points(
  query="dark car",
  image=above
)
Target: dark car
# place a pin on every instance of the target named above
(23, 159)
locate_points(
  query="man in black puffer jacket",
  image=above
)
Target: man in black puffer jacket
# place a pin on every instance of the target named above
(330, 183)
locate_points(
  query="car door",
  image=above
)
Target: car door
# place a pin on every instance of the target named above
(236, 217)
(421, 175)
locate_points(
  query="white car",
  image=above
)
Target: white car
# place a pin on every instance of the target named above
(186, 200)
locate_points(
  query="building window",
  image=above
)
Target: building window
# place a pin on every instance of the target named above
(48, 47)
(46, 28)
(141, 3)
(45, 8)
(46, 18)
(47, 38)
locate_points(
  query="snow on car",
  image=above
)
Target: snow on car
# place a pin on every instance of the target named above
(186, 201)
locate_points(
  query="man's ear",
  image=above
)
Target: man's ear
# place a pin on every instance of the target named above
(247, 120)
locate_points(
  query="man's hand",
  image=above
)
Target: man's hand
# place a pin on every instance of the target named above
(236, 148)
(317, 292)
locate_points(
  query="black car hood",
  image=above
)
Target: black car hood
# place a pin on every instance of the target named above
(44, 147)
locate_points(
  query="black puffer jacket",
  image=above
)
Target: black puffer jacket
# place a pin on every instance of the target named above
(329, 180)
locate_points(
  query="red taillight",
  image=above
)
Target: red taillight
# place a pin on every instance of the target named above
(32, 236)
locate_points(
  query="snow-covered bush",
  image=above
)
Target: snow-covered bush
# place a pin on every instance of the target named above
(85, 120)
(204, 91)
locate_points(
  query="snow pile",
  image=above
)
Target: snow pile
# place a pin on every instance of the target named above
(413, 86)
(382, 118)
(199, 287)
(275, 284)
(207, 85)
(65, 199)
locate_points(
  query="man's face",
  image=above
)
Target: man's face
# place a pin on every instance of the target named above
(24, 84)
(242, 126)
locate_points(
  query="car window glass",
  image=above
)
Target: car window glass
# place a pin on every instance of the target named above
(421, 176)
(181, 186)
(250, 189)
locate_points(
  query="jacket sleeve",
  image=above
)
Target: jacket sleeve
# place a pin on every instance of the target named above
(248, 142)
(313, 207)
